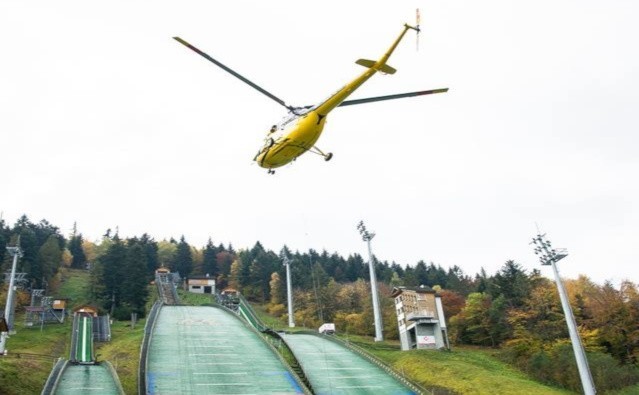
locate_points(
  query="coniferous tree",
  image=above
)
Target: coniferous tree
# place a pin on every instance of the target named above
(512, 282)
(209, 260)
(75, 247)
(50, 257)
(253, 287)
(224, 260)
(134, 285)
(410, 279)
(246, 259)
(112, 272)
(183, 263)
(25, 231)
(356, 268)
(5, 234)
(481, 280)
(499, 329)
(421, 273)
(150, 248)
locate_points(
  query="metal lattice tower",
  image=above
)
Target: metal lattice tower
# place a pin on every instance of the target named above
(36, 293)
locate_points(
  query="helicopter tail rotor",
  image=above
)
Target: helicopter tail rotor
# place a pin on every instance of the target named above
(417, 22)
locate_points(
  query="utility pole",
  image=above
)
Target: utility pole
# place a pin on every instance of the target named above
(367, 237)
(549, 257)
(8, 310)
(289, 291)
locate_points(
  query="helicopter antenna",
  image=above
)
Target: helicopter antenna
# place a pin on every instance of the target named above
(417, 22)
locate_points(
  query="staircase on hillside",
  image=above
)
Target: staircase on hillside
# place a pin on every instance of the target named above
(166, 288)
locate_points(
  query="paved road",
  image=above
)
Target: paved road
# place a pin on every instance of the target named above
(334, 369)
(205, 350)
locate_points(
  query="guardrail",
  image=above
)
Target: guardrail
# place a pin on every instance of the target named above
(54, 377)
(144, 347)
(158, 285)
(116, 378)
(296, 366)
(74, 338)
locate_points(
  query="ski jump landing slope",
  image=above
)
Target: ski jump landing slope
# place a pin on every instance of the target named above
(334, 369)
(207, 350)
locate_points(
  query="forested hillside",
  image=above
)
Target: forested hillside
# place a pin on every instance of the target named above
(513, 311)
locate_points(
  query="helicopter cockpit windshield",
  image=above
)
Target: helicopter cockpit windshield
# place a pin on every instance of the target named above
(295, 113)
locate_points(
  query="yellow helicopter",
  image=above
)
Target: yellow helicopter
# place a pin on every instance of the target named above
(298, 132)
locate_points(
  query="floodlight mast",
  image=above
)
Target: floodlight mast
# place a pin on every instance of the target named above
(8, 310)
(289, 292)
(549, 257)
(367, 237)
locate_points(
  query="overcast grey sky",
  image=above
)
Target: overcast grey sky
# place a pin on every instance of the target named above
(107, 121)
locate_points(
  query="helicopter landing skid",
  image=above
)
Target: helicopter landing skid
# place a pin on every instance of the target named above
(319, 152)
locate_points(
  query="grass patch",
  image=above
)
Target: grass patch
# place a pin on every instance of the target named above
(267, 319)
(32, 352)
(632, 390)
(463, 370)
(193, 299)
(123, 351)
(75, 285)
(27, 374)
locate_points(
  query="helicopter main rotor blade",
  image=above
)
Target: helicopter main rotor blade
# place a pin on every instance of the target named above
(230, 71)
(391, 97)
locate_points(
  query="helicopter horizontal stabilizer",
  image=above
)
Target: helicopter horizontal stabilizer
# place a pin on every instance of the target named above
(386, 69)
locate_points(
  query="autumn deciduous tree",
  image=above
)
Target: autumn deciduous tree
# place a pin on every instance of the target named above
(276, 307)
(452, 302)
(234, 275)
(482, 321)
(167, 250)
(616, 314)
